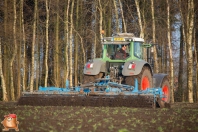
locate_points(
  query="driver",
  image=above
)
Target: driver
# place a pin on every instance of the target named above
(121, 54)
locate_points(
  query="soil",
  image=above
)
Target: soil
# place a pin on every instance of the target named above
(180, 117)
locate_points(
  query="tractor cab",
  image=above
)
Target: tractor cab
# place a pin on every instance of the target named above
(123, 47)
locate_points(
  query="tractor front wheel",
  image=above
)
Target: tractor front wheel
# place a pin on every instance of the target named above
(144, 79)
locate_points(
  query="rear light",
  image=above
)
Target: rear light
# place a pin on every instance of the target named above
(132, 66)
(89, 65)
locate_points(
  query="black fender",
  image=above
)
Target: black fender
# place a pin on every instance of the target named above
(98, 66)
(158, 78)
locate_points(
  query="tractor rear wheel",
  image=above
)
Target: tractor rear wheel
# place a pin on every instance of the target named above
(164, 102)
(91, 78)
(144, 79)
(166, 90)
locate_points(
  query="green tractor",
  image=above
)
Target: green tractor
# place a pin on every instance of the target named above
(120, 78)
(122, 60)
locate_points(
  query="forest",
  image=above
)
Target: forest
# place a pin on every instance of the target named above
(45, 42)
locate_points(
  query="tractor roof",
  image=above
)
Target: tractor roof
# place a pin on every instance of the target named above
(121, 38)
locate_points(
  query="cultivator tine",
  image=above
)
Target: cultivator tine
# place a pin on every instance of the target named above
(94, 101)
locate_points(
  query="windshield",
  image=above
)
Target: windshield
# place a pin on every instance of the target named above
(117, 51)
(138, 49)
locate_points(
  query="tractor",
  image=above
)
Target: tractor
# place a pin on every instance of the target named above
(126, 69)
(122, 77)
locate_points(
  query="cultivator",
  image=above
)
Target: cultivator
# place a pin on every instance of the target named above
(101, 93)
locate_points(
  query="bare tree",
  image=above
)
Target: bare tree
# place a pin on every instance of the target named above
(182, 49)
(70, 45)
(66, 39)
(139, 18)
(5, 96)
(170, 53)
(156, 67)
(123, 20)
(47, 41)
(109, 21)
(182, 20)
(14, 53)
(5, 56)
(19, 55)
(189, 27)
(38, 54)
(116, 16)
(56, 51)
(181, 62)
(94, 33)
(76, 46)
(101, 18)
(195, 64)
(24, 47)
(33, 46)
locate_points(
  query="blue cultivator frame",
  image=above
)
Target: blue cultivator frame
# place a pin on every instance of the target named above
(101, 93)
(102, 87)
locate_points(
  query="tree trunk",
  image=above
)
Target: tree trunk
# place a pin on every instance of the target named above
(109, 21)
(195, 66)
(94, 29)
(156, 67)
(197, 71)
(56, 51)
(184, 39)
(139, 19)
(14, 54)
(38, 67)
(47, 42)
(5, 64)
(81, 64)
(70, 46)
(190, 26)
(24, 50)
(142, 33)
(66, 34)
(101, 18)
(19, 51)
(5, 96)
(181, 61)
(170, 53)
(76, 47)
(38, 55)
(182, 20)
(33, 46)
(116, 16)
(123, 20)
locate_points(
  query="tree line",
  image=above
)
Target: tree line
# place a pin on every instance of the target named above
(45, 42)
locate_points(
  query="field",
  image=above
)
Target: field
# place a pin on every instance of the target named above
(181, 117)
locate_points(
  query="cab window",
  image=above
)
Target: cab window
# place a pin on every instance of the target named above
(138, 49)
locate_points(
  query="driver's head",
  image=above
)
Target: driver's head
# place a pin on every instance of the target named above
(124, 47)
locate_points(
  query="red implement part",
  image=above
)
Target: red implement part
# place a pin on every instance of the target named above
(165, 90)
(145, 83)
